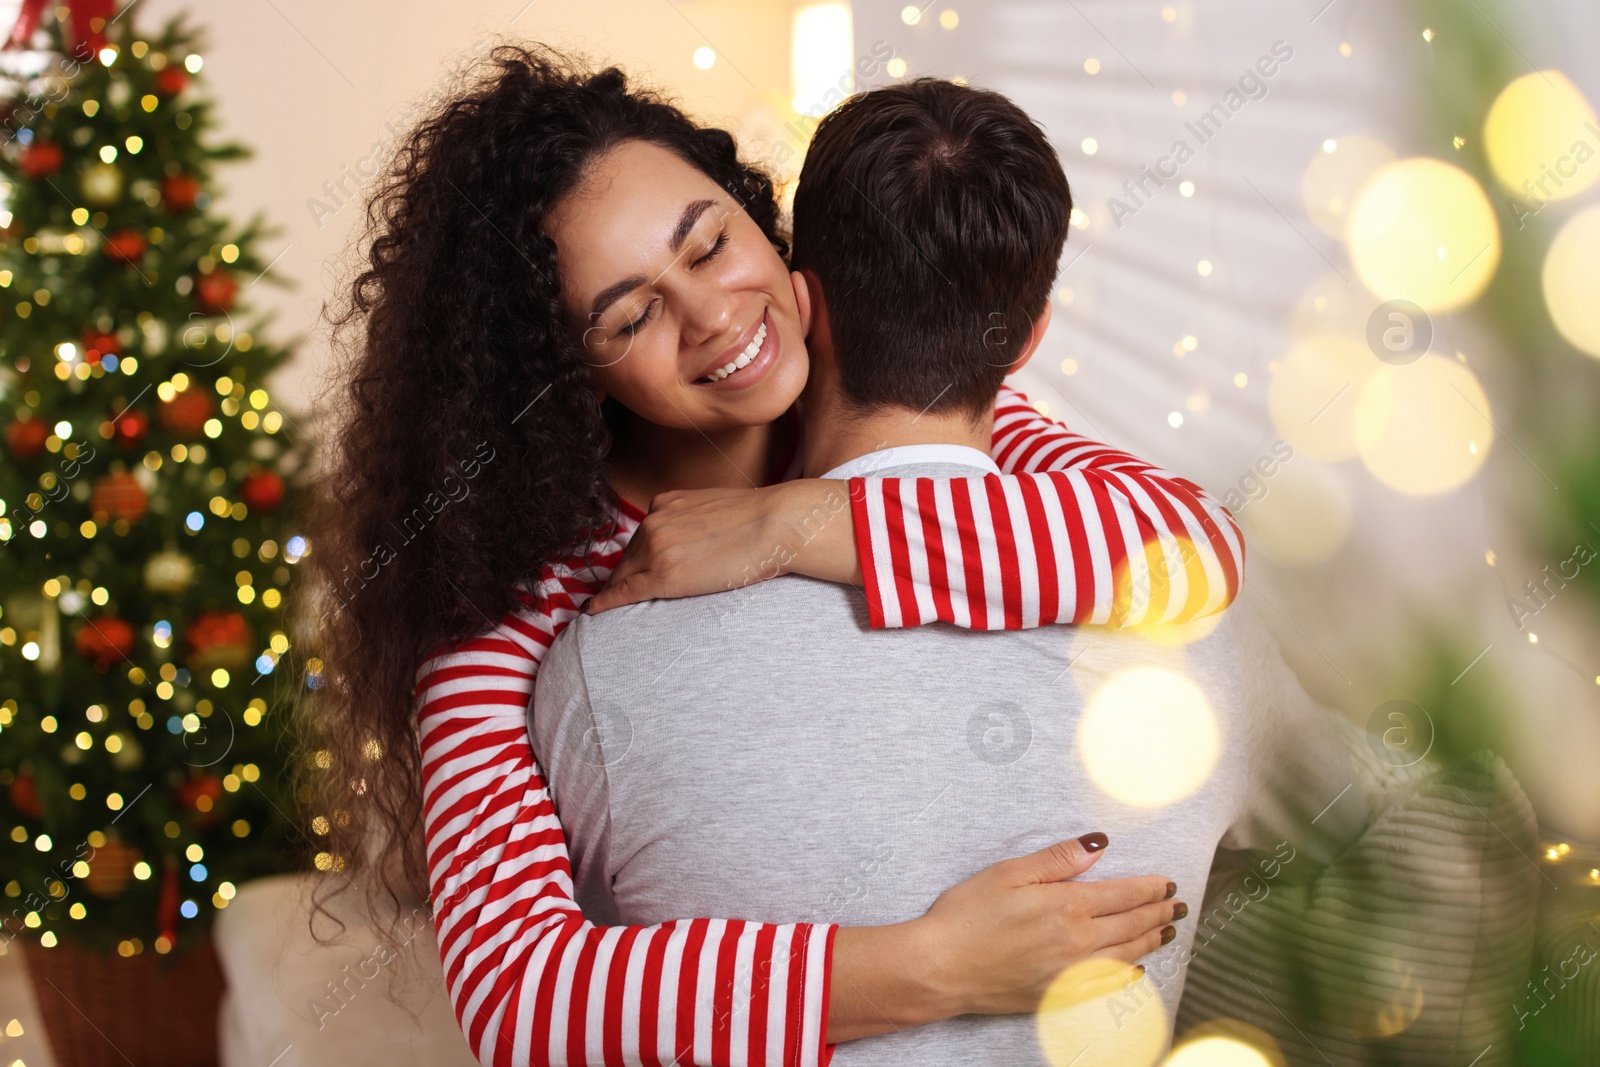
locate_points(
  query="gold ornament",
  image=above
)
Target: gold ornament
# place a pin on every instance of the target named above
(168, 573)
(130, 756)
(102, 184)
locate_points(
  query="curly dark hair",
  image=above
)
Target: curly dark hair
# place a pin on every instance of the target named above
(468, 446)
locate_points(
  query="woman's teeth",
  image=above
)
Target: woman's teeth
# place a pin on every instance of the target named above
(745, 357)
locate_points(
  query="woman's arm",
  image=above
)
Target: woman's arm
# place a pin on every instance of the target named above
(1073, 531)
(533, 982)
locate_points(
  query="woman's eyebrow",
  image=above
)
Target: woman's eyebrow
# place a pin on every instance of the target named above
(680, 233)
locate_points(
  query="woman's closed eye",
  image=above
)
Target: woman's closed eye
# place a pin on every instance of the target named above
(715, 250)
(638, 324)
(649, 312)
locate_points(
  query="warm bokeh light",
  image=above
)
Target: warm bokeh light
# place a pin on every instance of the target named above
(1572, 280)
(1336, 174)
(1423, 230)
(1530, 135)
(1216, 1051)
(1424, 428)
(1312, 395)
(1178, 633)
(1403, 1008)
(1143, 595)
(820, 57)
(1395, 995)
(1095, 1015)
(1148, 738)
(1305, 516)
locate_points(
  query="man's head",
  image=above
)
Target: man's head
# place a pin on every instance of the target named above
(933, 217)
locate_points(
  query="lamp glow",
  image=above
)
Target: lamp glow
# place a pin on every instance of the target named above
(819, 58)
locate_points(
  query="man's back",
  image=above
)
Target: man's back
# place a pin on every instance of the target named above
(760, 754)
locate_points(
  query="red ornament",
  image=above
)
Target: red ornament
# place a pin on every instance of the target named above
(118, 496)
(131, 427)
(214, 292)
(186, 413)
(86, 38)
(105, 641)
(262, 490)
(40, 159)
(125, 245)
(24, 795)
(200, 795)
(218, 639)
(97, 345)
(110, 868)
(179, 192)
(170, 80)
(167, 903)
(26, 437)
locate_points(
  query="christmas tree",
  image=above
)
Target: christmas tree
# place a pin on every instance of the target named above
(146, 542)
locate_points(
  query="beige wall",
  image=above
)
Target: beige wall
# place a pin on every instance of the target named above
(311, 85)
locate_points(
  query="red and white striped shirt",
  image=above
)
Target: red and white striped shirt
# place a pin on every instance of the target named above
(1072, 532)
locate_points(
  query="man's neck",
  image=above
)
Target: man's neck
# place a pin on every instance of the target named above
(835, 434)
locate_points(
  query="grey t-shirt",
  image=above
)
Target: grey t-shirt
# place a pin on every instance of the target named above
(760, 754)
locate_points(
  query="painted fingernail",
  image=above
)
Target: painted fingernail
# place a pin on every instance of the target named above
(1179, 910)
(1093, 842)
(1172, 888)
(1167, 934)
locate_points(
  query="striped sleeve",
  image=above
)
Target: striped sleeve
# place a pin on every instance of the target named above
(534, 983)
(1072, 531)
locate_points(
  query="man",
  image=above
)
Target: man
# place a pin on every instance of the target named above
(760, 753)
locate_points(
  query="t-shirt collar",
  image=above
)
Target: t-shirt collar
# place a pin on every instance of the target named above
(907, 455)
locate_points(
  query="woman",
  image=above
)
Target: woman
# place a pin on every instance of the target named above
(550, 424)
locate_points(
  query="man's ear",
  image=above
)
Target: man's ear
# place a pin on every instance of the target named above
(1035, 335)
(807, 297)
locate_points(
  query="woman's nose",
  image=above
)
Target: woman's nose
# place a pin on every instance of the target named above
(710, 312)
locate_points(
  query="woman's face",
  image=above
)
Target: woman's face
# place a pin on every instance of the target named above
(686, 314)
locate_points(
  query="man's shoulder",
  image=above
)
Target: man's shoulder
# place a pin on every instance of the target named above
(764, 614)
(793, 595)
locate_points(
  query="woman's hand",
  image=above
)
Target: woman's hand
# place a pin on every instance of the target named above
(697, 541)
(994, 943)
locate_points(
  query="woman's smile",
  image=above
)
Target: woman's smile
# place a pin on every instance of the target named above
(750, 361)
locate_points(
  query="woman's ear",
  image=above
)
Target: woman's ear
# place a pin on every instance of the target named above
(802, 299)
